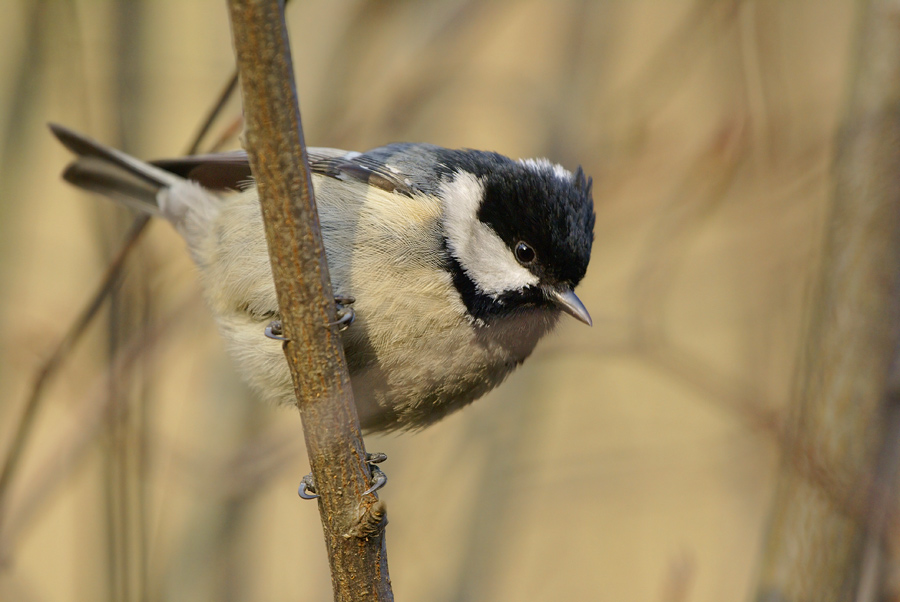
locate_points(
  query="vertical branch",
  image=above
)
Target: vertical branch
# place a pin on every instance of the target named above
(353, 526)
(816, 547)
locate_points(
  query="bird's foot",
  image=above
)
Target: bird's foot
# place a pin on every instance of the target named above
(345, 313)
(307, 489)
(275, 331)
(345, 317)
(379, 479)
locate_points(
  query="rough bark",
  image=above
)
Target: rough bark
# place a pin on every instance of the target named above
(353, 525)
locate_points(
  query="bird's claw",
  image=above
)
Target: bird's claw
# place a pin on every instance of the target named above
(379, 480)
(345, 314)
(375, 458)
(307, 489)
(274, 331)
(345, 317)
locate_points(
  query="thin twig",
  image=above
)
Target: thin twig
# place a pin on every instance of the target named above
(813, 552)
(87, 420)
(26, 422)
(217, 108)
(882, 496)
(23, 429)
(229, 132)
(353, 524)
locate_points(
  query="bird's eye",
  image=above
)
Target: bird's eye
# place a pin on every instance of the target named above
(524, 253)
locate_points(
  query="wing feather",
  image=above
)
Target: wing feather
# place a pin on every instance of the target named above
(231, 170)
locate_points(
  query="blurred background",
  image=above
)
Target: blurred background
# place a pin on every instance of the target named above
(635, 460)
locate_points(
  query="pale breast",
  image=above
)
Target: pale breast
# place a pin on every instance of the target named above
(414, 354)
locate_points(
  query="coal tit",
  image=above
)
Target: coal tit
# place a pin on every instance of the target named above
(459, 261)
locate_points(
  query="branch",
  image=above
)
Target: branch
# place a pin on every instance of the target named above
(353, 526)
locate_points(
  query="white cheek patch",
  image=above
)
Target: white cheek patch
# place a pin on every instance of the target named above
(542, 166)
(482, 254)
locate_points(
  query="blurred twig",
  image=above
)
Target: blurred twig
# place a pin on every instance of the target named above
(59, 355)
(698, 196)
(814, 549)
(49, 368)
(353, 525)
(224, 96)
(86, 423)
(679, 579)
(881, 498)
(435, 61)
(676, 57)
(228, 133)
(22, 90)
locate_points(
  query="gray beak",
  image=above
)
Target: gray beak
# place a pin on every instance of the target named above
(567, 301)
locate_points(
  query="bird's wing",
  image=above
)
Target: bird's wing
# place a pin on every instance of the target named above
(400, 168)
(356, 167)
(229, 170)
(219, 171)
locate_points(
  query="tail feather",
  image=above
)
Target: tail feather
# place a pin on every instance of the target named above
(113, 173)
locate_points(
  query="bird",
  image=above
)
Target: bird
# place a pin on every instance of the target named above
(456, 261)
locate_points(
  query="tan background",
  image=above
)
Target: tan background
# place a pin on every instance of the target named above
(631, 461)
